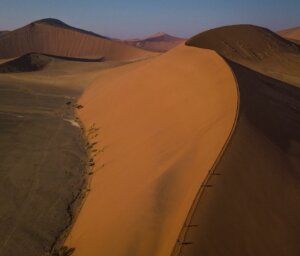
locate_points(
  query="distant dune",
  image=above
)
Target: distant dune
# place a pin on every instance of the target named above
(255, 47)
(50, 36)
(155, 140)
(159, 42)
(292, 33)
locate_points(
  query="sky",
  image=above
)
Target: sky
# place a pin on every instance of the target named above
(138, 18)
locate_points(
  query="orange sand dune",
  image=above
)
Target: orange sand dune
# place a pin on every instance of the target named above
(251, 204)
(252, 207)
(291, 33)
(254, 47)
(159, 42)
(162, 124)
(56, 38)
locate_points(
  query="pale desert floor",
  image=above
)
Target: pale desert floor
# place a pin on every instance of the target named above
(42, 154)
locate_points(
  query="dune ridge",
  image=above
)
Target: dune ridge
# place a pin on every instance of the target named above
(159, 42)
(291, 33)
(57, 38)
(257, 187)
(26, 63)
(254, 47)
(158, 138)
(251, 204)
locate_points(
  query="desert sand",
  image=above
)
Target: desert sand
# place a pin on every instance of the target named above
(159, 127)
(56, 38)
(158, 42)
(191, 152)
(251, 204)
(252, 207)
(42, 152)
(291, 33)
(256, 48)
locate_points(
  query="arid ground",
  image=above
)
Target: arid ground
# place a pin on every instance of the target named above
(150, 147)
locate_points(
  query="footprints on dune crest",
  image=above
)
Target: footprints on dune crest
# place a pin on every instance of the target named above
(93, 150)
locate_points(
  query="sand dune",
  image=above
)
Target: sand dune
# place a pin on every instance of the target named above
(36, 61)
(27, 62)
(292, 33)
(56, 38)
(250, 206)
(257, 48)
(159, 127)
(3, 32)
(159, 42)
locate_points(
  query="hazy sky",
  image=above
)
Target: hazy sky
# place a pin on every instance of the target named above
(136, 18)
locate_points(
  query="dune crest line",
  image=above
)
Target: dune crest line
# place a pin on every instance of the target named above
(161, 125)
(181, 241)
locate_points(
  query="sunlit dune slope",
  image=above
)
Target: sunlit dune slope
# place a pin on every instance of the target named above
(255, 47)
(159, 126)
(54, 37)
(292, 33)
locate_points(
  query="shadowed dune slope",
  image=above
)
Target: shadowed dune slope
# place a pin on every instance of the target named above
(28, 62)
(251, 204)
(3, 32)
(35, 61)
(56, 38)
(257, 48)
(159, 42)
(292, 33)
(157, 128)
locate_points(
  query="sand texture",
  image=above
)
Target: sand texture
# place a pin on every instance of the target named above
(256, 48)
(159, 42)
(291, 33)
(156, 128)
(48, 38)
(252, 206)
(42, 165)
(42, 154)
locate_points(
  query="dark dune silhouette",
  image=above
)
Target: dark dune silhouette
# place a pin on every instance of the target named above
(26, 63)
(35, 61)
(50, 36)
(3, 32)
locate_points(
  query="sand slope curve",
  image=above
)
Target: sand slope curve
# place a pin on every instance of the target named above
(254, 47)
(253, 202)
(162, 124)
(159, 42)
(251, 205)
(57, 38)
(291, 33)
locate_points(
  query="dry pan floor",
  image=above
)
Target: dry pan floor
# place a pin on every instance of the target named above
(42, 154)
(42, 165)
